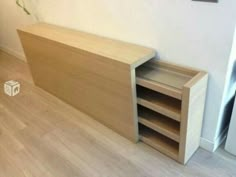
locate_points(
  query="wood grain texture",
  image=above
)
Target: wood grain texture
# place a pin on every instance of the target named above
(97, 76)
(158, 79)
(129, 54)
(174, 67)
(159, 123)
(194, 95)
(159, 142)
(164, 77)
(42, 136)
(163, 104)
(92, 73)
(159, 87)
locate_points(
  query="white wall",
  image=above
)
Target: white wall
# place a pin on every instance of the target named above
(11, 18)
(191, 33)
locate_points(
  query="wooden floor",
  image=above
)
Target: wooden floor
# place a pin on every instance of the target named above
(40, 136)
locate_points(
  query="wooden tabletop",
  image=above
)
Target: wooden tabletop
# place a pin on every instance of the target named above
(127, 53)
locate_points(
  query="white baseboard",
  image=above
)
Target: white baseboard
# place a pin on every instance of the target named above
(207, 145)
(18, 55)
(212, 146)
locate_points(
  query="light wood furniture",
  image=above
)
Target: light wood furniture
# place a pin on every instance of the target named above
(42, 136)
(92, 73)
(171, 103)
(99, 77)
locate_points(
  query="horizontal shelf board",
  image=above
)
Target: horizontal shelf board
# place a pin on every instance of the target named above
(159, 142)
(165, 89)
(164, 76)
(159, 123)
(158, 102)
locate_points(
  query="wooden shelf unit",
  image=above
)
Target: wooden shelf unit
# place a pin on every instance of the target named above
(171, 101)
(99, 76)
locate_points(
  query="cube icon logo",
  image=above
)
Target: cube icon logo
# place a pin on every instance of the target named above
(12, 88)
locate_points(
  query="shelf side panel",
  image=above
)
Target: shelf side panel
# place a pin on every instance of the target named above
(191, 116)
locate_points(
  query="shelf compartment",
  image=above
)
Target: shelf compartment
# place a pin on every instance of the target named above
(158, 102)
(160, 123)
(164, 78)
(159, 142)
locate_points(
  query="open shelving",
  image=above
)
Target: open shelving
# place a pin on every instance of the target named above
(170, 100)
(160, 142)
(159, 123)
(166, 105)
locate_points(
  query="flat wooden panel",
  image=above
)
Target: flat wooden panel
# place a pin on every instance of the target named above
(159, 142)
(101, 87)
(163, 77)
(123, 52)
(165, 89)
(192, 115)
(180, 69)
(163, 104)
(159, 123)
